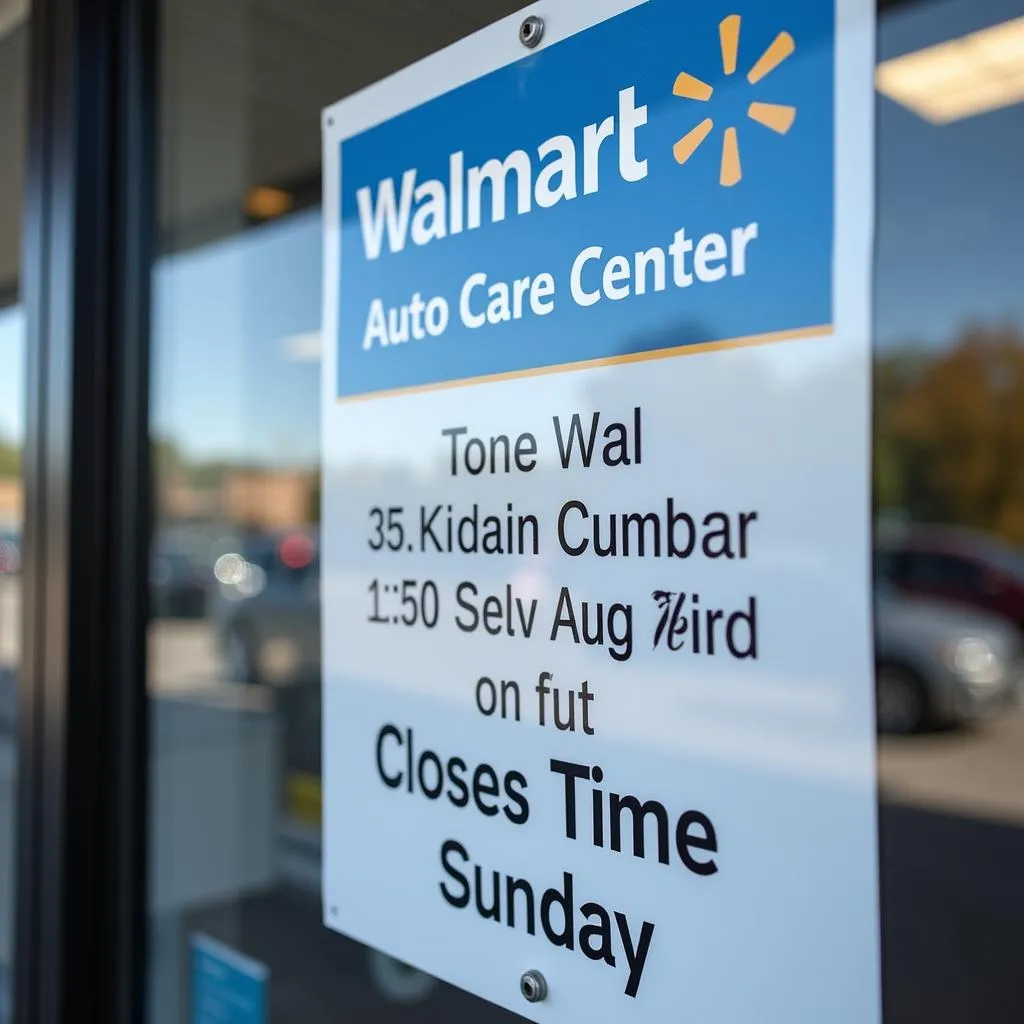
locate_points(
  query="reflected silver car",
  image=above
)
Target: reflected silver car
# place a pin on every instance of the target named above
(268, 610)
(941, 664)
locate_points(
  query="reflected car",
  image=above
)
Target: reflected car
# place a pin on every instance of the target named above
(956, 565)
(941, 664)
(179, 589)
(267, 612)
(267, 620)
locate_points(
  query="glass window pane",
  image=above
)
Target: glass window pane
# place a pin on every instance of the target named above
(13, 106)
(235, 638)
(949, 457)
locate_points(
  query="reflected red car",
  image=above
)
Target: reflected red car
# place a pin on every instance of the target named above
(959, 566)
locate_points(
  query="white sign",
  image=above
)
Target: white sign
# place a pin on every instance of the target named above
(598, 684)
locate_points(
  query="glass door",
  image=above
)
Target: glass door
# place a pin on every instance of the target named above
(235, 671)
(13, 105)
(235, 635)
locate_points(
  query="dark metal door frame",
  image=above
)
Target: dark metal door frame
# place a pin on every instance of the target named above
(81, 859)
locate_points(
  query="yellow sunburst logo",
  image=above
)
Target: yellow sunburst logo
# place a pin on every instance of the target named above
(776, 116)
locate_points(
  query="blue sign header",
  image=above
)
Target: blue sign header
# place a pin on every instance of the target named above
(659, 182)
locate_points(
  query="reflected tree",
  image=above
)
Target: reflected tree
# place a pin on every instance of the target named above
(949, 433)
(10, 459)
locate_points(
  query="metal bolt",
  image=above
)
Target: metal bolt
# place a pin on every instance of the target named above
(531, 31)
(534, 987)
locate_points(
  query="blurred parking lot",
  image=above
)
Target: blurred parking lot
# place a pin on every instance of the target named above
(973, 771)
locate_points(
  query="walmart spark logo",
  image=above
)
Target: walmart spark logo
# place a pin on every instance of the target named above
(776, 116)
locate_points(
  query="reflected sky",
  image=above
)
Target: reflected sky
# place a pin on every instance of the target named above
(949, 224)
(236, 364)
(232, 378)
(237, 369)
(12, 373)
(948, 215)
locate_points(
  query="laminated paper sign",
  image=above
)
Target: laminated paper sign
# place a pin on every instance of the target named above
(598, 685)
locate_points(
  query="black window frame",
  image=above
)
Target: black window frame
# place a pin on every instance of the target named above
(82, 727)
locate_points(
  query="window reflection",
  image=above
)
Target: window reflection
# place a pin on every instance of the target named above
(13, 106)
(949, 458)
(12, 347)
(235, 643)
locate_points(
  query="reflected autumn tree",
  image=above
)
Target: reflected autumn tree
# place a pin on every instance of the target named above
(949, 433)
(10, 459)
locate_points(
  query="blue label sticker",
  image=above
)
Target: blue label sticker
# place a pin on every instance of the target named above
(661, 181)
(227, 987)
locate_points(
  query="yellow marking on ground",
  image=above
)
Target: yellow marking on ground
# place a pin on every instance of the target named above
(304, 797)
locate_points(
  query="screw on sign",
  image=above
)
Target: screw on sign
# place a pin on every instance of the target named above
(531, 31)
(533, 986)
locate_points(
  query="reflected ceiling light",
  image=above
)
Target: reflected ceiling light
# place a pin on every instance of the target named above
(960, 78)
(264, 202)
